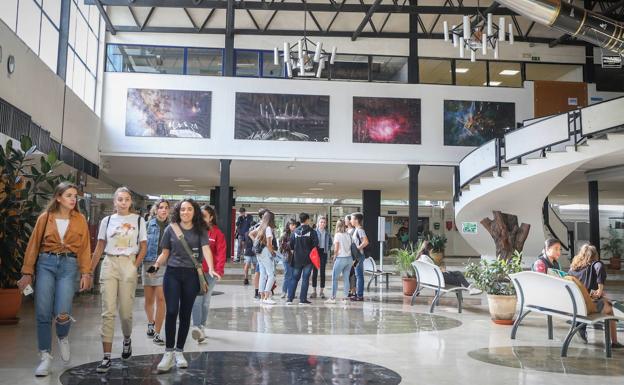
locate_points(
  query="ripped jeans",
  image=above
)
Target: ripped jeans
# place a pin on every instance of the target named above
(55, 285)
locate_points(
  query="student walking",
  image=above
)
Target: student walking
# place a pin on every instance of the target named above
(201, 306)
(361, 241)
(342, 261)
(324, 249)
(302, 241)
(287, 254)
(58, 250)
(152, 285)
(185, 244)
(266, 242)
(122, 239)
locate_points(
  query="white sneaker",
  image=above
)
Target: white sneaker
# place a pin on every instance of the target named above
(64, 349)
(331, 301)
(198, 334)
(166, 363)
(269, 301)
(44, 366)
(474, 291)
(180, 360)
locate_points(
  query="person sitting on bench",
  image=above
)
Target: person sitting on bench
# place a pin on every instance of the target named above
(454, 278)
(549, 259)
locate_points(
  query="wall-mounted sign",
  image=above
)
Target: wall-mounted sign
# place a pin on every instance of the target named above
(392, 212)
(611, 61)
(572, 101)
(469, 227)
(436, 226)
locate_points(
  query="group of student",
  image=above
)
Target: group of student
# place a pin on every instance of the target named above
(170, 249)
(588, 273)
(262, 250)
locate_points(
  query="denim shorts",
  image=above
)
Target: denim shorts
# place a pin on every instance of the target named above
(251, 259)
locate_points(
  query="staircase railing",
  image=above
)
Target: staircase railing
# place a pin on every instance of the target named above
(557, 228)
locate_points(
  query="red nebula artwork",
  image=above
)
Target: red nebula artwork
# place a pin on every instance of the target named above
(386, 120)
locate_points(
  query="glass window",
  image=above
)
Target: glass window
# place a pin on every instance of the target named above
(247, 63)
(556, 72)
(49, 43)
(269, 69)
(505, 74)
(435, 71)
(389, 69)
(202, 61)
(53, 9)
(350, 67)
(469, 73)
(609, 79)
(147, 59)
(28, 24)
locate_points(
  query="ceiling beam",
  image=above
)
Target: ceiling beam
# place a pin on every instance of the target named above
(366, 19)
(109, 24)
(292, 6)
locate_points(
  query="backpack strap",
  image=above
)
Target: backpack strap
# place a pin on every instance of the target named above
(138, 229)
(108, 218)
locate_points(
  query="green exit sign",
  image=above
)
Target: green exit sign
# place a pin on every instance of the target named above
(469, 227)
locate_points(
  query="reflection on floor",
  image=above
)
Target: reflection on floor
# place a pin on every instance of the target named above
(548, 359)
(326, 320)
(236, 368)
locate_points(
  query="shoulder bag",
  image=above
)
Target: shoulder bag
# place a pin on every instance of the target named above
(203, 282)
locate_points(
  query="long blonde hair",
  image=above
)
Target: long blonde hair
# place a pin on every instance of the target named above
(586, 255)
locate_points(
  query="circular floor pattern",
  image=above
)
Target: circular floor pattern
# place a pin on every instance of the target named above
(326, 320)
(235, 368)
(591, 362)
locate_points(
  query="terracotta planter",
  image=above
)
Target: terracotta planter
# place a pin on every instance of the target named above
(437, 257)
(11, 300)
(502, 308)
(616, 263)
(409, 286)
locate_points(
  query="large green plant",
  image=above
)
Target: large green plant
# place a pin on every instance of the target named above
(614, 244)
(404, 259)
(493, 277)
(438, 243)
(27, 181)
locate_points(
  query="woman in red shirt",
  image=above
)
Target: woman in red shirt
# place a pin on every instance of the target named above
(218, 249)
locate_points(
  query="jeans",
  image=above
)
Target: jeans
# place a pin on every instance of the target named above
(297, 272)
(181, 286)
(341, 266)
(201, 306)
(118, 281)
(287, 276)
(316, 271)
(54, 291)
(267, 271)
(455, 278)
(359, 276)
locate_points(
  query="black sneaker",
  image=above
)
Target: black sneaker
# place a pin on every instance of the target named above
(104, 365)
(150, 330)
(127, 349)
(246, 281)
(305, 303)
(357, 299)
(158, 340)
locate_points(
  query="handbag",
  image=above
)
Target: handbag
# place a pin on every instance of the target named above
(315, 258)
(203, 282)
(355, 252)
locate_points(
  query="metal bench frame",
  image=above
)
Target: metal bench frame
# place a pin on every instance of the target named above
(440, 288)
(376, 273)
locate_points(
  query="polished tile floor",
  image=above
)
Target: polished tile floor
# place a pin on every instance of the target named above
(380, 341)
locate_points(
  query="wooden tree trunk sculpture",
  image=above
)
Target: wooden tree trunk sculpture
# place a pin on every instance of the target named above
(507, 235)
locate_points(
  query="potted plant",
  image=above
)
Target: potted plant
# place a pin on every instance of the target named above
(26, 183)
(493, 278)
(438, 243)
(404, 259)
(613, 245)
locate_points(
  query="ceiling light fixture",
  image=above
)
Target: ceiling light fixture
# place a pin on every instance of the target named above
(182, 180)
(325, 183)
(478, 33)
(493, 83)
(315, 189)
(186, 185)
(509, 72)
(309, 54)
(462, 70)
(307, 193)
(291, 167)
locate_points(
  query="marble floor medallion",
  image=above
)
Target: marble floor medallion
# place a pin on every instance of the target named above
(586, 361)
(235, 368)
(326, 320)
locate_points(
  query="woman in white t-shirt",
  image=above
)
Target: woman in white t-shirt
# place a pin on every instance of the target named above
(123, 241)
(265, 236)
(342, 260)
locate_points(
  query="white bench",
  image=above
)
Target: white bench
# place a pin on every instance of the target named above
(556, 297)
(430, 276)
(370, 267)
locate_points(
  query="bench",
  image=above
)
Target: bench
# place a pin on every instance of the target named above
(560, 298)
(430, 276)
(370, 267)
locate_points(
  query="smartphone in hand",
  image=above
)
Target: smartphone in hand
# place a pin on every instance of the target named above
(152, 269)
(28, 290)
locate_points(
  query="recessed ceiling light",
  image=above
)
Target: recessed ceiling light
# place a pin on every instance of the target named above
(562, 195)
(307, 193)
(315, 189)
(509, 72)
(182, 180)
(186, 185)
(493, 83)
(462, 70)
(325, 183)
(440, 191)
(189, 190)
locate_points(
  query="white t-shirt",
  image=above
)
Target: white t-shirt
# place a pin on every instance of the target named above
(268, 233)
(358, 236)
(61, 225)
(122, 234)
(344, 239)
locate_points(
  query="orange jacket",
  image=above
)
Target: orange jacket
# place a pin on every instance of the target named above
(77, 241)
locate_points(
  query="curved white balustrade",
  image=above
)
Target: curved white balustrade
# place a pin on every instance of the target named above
(477, 162)
(536, 136)
(602, 116)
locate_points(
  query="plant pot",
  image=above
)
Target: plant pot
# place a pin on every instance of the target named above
(502, 308)
(409, 286)
(11, 300)
(615, 263)
(437, 257)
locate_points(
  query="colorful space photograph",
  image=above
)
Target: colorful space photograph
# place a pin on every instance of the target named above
(386, 120)
(168, 113)
(283, 117)
(472, 123)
